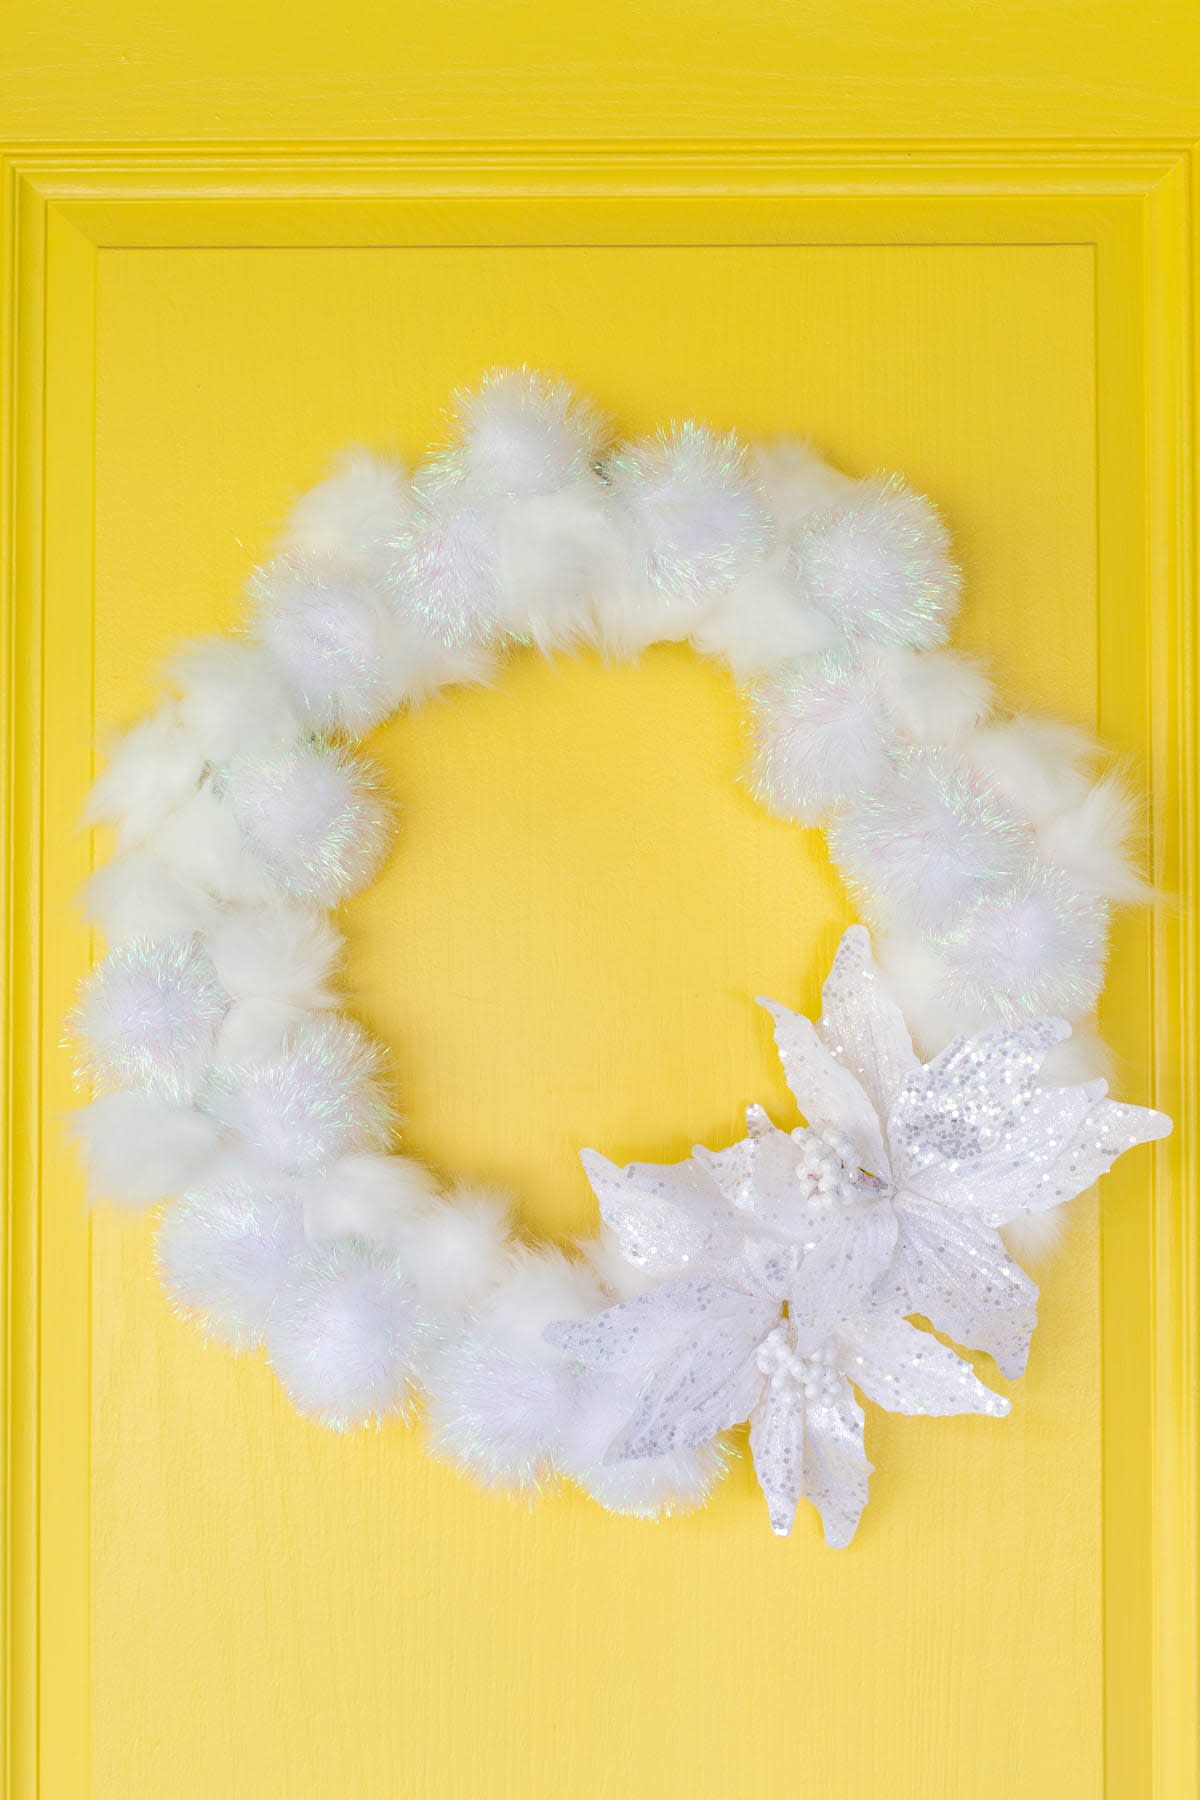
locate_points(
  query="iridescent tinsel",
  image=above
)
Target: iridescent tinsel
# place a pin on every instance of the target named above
(699, 514)
(148, 1016)
(880, 564)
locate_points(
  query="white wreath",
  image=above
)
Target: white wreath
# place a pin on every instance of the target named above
(757, 1282)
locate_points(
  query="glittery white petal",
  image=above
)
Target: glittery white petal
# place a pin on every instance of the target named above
(777, 1446)
(667, 1216)
(710, 1382)
(957, 1273)
(839, 1272)
(909, 1371)
(861, 1025)
(827, 1094)
(836, 1470)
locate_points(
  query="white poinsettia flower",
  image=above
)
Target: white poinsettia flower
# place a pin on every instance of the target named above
(819, 1241)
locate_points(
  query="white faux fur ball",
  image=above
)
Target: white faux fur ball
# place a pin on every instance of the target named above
(318, 1097)
(314, 817)
(928, 843)
(1036, 947)
(373, 1199)
(698, 517)
(522, 433)
(355, 514)
(148, 1016)
(330, 633)
(225, 1251)
(139, 1148)
(345, 1337)
(286, 953)
(879, 564)
(821, 735)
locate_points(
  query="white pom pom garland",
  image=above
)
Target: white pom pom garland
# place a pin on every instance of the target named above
(984, 849)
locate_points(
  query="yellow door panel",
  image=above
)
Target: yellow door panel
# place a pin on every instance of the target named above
(563, 951)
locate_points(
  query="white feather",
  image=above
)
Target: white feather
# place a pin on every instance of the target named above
(152, 769)
(1090, 842)
(357, 513)
(764, 620)
(203, 846)
(233, 699)
(371, 1198)
(796, 482)
(140, 1148)
(935, 696)
(286, 953)
(137, 896)
(458, 1247)
(1038, 765)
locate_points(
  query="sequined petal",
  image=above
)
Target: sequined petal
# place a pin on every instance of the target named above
(837, 1274)
(959, 1275)
(666, 1216)
(829, 1096)
(777, 1446)
(836, 1469)
(862, 1027)
(973, 1129)
(1108, 1129)
(637, 1335)
(909, 1371)
(758, 1178)
(707, 1381)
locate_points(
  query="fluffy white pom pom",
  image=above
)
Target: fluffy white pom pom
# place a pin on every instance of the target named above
(1037, 947)
(284, 953)
(137, 896)
(447, 576)
(1034, 1237)
(148, 1016)
(501, 1399)
(820, 736)
(498, 1415)
(233, 700)
(314, 818)
(935, 696)
(522, 433)
(879, 564)
(928, 843)
(140, 1148)
(764, 620)
(458, 1248)
(797, 482)
(698, 518)
(345, 1337)
(1037, 765)
(151, 771)
(317, 1097)
(355, 515)
(225, 1251)
(560, 556)
(333, 637)
(371, 1198)
(1090, 842)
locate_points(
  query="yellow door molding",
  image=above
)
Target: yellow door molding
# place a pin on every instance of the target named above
(1133, 204)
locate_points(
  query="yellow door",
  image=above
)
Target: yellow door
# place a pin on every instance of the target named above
(211, 1597)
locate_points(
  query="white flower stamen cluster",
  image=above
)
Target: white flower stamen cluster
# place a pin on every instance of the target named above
(983, 849)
